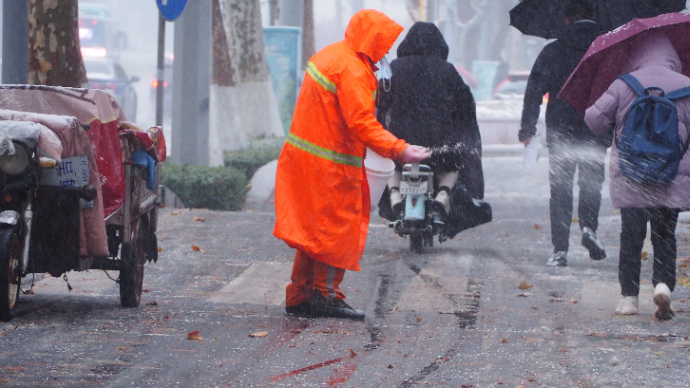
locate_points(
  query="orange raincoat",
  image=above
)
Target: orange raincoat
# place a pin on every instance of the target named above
(322, 194)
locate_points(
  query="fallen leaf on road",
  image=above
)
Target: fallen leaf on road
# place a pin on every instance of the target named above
(160, 249)
(504, 341)
(536, 226)
(145, 290)
(154, 303)
(645, 256)
(419, 319)
(575, 220)
(353, 353)
(176, 212)
(685, 282)
(199, 219)
(524, 286)
(390, 366)
(122, 348)
(575, 301)
(194, 336)
(259, 334)
(196, 248)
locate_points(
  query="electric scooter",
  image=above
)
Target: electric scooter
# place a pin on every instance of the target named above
(419, 218)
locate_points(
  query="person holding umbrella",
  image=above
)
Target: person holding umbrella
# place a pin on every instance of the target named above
(571, 144)
(654, 62)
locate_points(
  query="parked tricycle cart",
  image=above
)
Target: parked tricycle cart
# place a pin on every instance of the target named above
(77, 189)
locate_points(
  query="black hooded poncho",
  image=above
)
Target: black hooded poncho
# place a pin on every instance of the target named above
(428, 104)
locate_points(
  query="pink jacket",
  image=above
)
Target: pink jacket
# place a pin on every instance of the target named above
(654, 62)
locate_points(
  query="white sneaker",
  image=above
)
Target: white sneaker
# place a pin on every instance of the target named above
(444, 199)
(662, 299)
(559, 259)
(628, 306)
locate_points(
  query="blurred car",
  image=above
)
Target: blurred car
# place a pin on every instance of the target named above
(512, 86)
(105, 74)
(467, 77)
(98, 33)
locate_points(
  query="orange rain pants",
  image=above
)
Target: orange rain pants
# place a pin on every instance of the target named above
(309, 275)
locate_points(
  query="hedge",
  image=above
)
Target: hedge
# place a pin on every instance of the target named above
(259, 152)
(215, 188)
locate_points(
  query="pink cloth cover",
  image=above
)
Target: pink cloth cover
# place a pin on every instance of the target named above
(94, 107)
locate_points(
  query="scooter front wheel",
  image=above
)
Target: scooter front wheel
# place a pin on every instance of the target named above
(429, 240)
(417, 243)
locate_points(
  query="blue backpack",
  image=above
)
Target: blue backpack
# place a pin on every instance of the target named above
(650, 148)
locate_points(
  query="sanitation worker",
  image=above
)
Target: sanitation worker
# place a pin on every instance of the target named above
(322, 195)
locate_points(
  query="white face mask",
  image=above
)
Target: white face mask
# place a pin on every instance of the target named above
(385, 73)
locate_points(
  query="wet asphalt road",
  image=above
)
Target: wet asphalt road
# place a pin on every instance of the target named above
(454, 316)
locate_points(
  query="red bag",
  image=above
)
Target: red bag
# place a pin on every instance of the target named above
(153, 143)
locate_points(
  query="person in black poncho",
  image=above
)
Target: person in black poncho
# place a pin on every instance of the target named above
(426, 102)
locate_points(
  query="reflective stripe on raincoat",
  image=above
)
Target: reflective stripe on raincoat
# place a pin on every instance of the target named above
(322, 195)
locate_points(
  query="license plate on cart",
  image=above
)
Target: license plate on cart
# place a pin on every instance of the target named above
(413, 188)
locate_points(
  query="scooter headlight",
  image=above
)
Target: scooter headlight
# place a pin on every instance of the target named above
(18, 162)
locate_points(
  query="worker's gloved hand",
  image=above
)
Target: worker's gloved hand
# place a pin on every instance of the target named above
(414, 154)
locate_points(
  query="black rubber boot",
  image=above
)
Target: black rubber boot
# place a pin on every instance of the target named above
(302, 309)
(335, 308)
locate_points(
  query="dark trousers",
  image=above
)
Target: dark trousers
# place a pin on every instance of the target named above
(633, 233)
(563, 161)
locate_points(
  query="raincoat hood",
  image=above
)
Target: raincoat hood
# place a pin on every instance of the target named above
(653, 49)
(424, 39)
(372, 33)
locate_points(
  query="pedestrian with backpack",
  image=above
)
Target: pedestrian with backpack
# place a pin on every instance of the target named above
(650, 170)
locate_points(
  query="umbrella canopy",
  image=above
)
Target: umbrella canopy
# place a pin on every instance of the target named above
(608, 56)
(545, 18)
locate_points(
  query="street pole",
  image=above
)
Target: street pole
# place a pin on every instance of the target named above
(160, 74)
(15, 41)
(191, 85)
(292, 13)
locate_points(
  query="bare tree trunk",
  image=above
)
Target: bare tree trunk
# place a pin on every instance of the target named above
(479, 9)
(308, 44)
(502, 26)
(242, 104)
(54, 52)
(223, 71)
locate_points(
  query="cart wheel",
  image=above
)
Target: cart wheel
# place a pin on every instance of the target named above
(416, 243)
(132, 267)
(10, 279)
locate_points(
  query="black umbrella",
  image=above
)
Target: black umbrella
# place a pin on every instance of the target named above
(545, 18)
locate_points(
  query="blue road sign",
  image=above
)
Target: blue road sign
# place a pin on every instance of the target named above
(171, 9)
